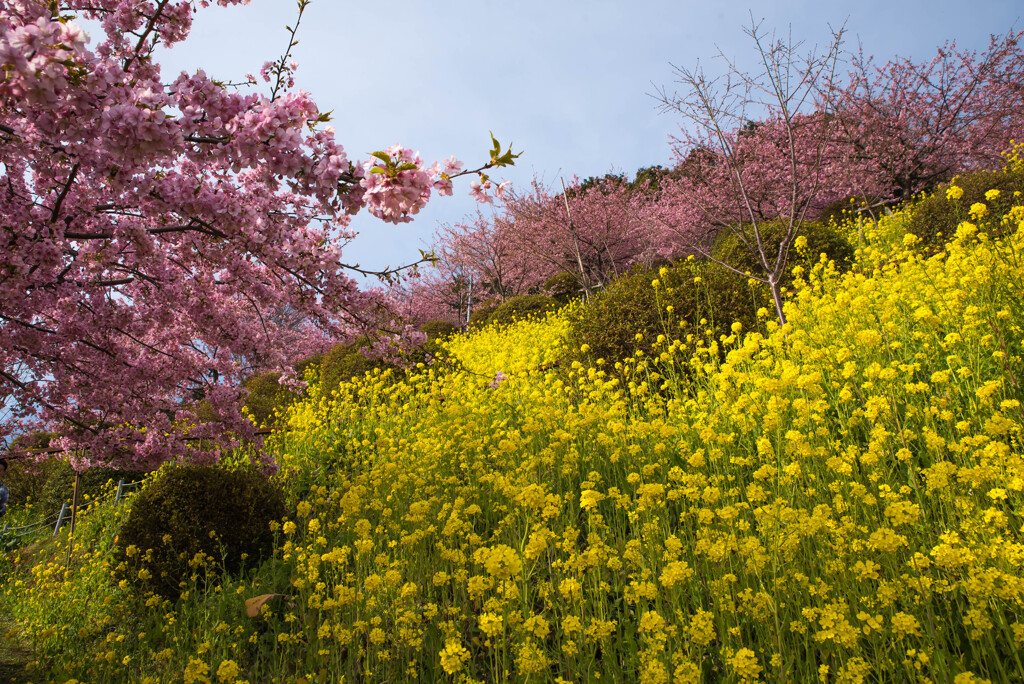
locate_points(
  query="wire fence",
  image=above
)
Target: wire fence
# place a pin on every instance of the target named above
(59, 518)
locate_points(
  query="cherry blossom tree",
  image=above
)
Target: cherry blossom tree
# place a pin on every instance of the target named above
(780, 169)
(485, 250)
(919, 124)
(150, 224)
(595, 234)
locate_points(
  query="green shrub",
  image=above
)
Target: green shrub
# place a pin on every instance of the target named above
(49, 482)
(26, 477)
(313, 362)
(562, 287)
(223, 514)
(847, 209)
(821, 239)
(520, 307)
(346, 361)
(934, 218)
(268, 398)
(438, 330)
(481, 313)
(696, 291)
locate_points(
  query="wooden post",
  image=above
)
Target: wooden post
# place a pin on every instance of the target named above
(120, 490)
(74, 515)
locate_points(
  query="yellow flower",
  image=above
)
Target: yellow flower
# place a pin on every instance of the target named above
(589, 499)
(651, 622)
(228, 671)
(904, 625)
(954, 193)
(702, 628)
(196, 672)
(491, 624)
(745, 664)
(500, 561)
(453, 656)
(675, 572)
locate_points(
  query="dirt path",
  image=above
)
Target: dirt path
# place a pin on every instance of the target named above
(13, 655)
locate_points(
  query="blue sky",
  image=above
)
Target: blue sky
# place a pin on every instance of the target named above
(567, 82)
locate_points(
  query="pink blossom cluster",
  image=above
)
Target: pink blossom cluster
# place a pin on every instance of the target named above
(395, 191)
(530, 237)
(162, 238)
(484, 191)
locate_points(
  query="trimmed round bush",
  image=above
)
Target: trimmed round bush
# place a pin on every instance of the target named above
(562, 287)
(481, 313)
(268, 398)
(934, 218)
(224, 515)
(696, 291)
(821, 239)
(520, 307)
(438, 330)
(346, 361)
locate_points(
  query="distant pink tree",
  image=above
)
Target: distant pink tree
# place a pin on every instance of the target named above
(594, 233)
(918, 124)
(782, 169)
(149, 225)
(438, 293)
(763, 172)
(485, 252)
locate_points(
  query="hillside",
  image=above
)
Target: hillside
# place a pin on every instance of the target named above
(838, 498)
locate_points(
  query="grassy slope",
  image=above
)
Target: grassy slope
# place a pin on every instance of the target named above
(840, 499)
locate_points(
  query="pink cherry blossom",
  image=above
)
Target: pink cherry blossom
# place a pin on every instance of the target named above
(166, 237)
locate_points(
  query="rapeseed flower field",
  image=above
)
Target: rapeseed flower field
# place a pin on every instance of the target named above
(836, 500)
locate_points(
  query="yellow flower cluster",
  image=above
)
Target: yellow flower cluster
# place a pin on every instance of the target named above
(839, 499)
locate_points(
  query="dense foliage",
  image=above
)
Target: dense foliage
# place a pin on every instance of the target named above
(346, 361)
(267, 398)
(523, 306)
(837, 497)
(816, 239)
(689, 299)
(193, 514)
(935, 218)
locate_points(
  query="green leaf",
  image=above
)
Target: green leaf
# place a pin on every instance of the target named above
(383, 156)
(378, 169)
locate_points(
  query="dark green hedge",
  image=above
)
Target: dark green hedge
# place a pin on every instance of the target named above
(224, 514)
